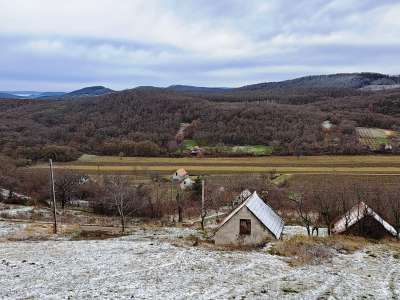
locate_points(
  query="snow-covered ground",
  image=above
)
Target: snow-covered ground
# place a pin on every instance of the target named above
(20, 211)
(146, 265)
(10, 228)
(289, 231)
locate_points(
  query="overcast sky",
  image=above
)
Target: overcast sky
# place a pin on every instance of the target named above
(62, 45)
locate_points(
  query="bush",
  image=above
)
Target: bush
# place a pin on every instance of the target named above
(314, 250)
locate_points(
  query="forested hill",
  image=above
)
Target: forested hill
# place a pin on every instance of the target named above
(300, 90)
(333, 81)
(145, 121)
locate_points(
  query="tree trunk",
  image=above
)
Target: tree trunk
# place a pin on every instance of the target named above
(308, 230)
(180, 216)
(122, 224)
(180, 209)
(63, 200)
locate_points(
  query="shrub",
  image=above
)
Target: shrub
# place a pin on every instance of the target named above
(314, 250)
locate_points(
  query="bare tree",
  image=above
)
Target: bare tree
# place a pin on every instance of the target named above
(180, 199)
(66, 184)
(8, 176)
(393, 205)
(156, 180)
(302, 207)
(122, 197)
(325, 205)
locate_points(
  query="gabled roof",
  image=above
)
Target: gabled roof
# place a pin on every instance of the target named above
(263, 212)
(181, 172)
(355, 214)
(186, 183)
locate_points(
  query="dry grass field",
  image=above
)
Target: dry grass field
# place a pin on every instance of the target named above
(371, 164)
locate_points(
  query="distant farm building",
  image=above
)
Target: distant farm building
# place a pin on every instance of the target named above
(187, 183)
(251, 223)
(180, 175)
(196, 151)
(327, 125)
(363, 221)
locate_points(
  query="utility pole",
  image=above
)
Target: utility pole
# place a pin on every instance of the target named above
(53, 192)
(203, 214)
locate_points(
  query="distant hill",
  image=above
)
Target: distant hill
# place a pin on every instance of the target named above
(4, 95)
(197, 89)
(90, 91)
(85, 92)
(29, 94)
(51, 94)
(334, 81)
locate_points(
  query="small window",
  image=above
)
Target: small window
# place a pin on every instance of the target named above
(245, 227)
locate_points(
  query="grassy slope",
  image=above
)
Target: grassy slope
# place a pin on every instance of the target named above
(188, 144)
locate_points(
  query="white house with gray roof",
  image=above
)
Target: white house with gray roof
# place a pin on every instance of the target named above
(251, 223)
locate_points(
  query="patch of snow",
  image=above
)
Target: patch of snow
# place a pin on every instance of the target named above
(146, 266)
(6, 193)
(291, 230)
(13, 212)
(10, 228)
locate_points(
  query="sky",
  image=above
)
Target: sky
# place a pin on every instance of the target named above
(64, 45)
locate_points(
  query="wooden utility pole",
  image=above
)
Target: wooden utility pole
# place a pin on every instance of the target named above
(203, 213)
(53, 192)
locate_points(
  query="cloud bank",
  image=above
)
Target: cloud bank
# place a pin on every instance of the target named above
(65, 45)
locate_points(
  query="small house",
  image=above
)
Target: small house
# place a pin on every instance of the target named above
(252, 223)
(187, 183)
(180, 175)
(196, 151)
(363, 221)
(327, 125)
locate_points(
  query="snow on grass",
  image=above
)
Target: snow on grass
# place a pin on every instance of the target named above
(22, 212)
(291, 230)
(13, 212)
(10, 228)
(145, 265)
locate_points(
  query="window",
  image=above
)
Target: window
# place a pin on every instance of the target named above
(245, 227)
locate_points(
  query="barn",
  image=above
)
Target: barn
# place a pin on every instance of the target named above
(362, 220)
(252, 223)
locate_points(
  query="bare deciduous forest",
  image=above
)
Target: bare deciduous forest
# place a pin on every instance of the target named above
(144, 122)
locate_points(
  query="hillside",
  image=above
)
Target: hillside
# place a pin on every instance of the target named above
(145, 122)
(29, 95)
(4, 95)
(197, 89)
(333, 81)
(89, 91)
(84, 92)
(300, 90)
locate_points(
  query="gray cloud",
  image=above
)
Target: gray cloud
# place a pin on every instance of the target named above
(63, 45)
